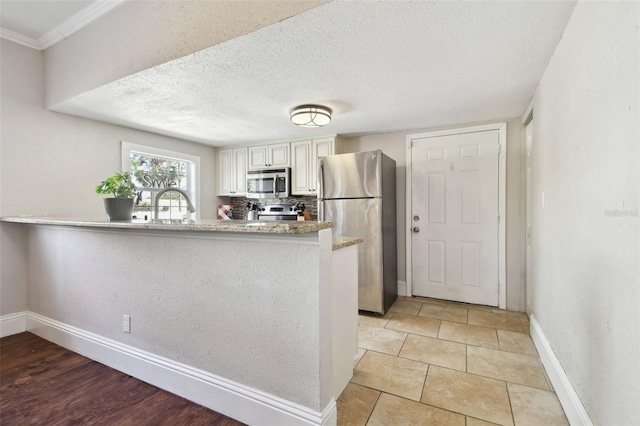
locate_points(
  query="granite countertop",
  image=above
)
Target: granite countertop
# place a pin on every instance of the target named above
(280, 227)
(342, 242)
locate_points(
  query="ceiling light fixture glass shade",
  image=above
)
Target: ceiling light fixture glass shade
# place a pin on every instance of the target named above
(311, 115)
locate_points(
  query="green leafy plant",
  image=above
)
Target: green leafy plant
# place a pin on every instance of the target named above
(119, 185)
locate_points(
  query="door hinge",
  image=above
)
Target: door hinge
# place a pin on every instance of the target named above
(499, 148)
(498, 286)
(498, 218)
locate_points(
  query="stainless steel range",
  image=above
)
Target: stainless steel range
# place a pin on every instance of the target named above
(277, 212)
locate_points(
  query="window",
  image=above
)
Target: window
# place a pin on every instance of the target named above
(154, 169)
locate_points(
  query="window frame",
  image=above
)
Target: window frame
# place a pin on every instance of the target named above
(128, 147)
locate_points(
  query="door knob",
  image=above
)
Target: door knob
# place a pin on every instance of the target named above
(416, 229)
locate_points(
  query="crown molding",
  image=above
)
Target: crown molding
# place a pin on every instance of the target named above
(78, 21)
(19, 38)
(66, 29)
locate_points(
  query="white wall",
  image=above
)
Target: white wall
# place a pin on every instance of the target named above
(13, 270)
(394, 145)
(51, 162)
(223, 307)
(586, 290)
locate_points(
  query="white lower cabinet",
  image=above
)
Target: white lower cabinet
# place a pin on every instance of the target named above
(232, 172)
(304, 163)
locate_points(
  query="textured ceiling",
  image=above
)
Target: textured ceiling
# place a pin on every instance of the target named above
(381, 66)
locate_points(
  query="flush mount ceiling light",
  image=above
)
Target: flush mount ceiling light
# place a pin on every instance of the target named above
(311, 115)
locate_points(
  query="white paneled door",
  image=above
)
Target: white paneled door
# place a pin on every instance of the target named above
(455, 217)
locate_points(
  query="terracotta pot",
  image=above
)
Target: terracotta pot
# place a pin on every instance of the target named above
(119, 208)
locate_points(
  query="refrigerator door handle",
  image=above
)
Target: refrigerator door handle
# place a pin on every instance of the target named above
(320, 190)
(320, 178)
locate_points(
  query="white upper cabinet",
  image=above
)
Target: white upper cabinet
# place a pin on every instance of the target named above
(301, 155)
(269, 156)
(232, 172)
(279, 155)
(304, 163)
(240, 171)
(257, 157)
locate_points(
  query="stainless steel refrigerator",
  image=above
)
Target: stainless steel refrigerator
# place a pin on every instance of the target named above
(357, 192)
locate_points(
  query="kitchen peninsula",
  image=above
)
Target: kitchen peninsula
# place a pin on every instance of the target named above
(255, 320)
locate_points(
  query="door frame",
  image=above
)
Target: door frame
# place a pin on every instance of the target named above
(527, 120)
(502, 193)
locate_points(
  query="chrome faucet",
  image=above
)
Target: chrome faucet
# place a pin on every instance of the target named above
(171, 188)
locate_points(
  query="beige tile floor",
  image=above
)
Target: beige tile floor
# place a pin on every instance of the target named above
(432, 362)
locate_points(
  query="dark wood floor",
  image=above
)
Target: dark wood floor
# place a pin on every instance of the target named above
(44, 384)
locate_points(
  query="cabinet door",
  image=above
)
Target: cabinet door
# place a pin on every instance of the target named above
(225, 172)
(279, 155)
(301, 156)
(240, 171)
(258, 157)
(321, 148)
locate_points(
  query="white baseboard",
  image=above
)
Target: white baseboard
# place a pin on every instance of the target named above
(573, 408)
(13, 324)
(230, 398)
(402, 288)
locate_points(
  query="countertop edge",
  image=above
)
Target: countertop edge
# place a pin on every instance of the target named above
(342, 242)
(254, 227)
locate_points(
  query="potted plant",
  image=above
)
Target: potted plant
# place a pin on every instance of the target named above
(120, 206)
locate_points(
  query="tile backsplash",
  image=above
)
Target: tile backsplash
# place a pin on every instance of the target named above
(240, 204)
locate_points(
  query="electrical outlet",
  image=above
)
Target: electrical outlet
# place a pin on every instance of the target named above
(126, 324)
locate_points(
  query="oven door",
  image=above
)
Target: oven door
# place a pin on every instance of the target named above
(271, 217)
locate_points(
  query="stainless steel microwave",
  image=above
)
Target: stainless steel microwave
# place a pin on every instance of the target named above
(271, 183)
